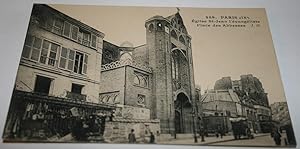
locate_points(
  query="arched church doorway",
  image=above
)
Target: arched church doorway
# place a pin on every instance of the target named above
(183, 118)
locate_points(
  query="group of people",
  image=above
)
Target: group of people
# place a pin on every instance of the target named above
(132, 138)
(84, 126)
(220, 132)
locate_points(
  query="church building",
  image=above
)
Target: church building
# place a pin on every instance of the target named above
(152, 83)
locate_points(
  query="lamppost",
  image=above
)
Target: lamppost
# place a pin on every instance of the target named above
(194, 127)
(201, 129)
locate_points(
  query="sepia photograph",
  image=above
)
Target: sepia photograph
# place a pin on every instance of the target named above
(148, 75)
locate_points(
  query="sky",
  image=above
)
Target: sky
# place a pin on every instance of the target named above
(217, 51)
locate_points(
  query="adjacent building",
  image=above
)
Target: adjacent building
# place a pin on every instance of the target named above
(237, 99)
(280, 113)
(221, 106)
(58, 79)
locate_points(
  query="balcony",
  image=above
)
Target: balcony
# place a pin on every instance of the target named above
(76, 96)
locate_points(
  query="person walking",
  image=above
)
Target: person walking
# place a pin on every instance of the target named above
(131, 137)
(152, 138)
(277, 137)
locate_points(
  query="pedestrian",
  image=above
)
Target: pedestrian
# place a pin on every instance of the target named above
(217, 134)
(277, 137)
(131, 137)
(248, 132)
(152, 138)
(221, 131)
(290, 135)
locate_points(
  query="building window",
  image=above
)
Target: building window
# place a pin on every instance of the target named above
(83, 37)
(80, 63)
(49, 52)
(70, 31)
(167, 46)
(144, 82)
(93, 41)
(141, 99)
(86, 39)
(40, 50)
(67, 29)
(173, 34)
(151, 27)
(181, 39)
(159, 26)
(42, 85)
(57, 26)
(140, 79)
(31, 47)
(73, 61)
(63, 57)
(160, 45)
(76, 88)
(36, 49)
(74, 31)
(27, 46)
(76, 93)
(175, 65)
(136, 80)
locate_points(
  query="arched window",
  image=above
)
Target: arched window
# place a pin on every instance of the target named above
(175, 65)
(143, 82)
(173, 34)
(181, 39)
(151, 28)
(159, 26)
(116, 99)
(140, 79)
(136, 80)
(105, 98)
(173, 22)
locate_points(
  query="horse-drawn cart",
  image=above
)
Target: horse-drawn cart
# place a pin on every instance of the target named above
(240, 128)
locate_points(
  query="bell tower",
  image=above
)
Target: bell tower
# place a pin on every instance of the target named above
(159, 46)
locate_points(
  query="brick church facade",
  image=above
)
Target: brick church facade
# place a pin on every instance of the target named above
(152, 84)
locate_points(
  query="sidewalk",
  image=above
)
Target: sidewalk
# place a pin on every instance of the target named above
(208, 140)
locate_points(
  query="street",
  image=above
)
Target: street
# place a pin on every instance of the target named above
(259, 140)
(264, 140)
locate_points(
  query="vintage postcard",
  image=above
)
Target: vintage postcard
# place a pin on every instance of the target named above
(149, 75)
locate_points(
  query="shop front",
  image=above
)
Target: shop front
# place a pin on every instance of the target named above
(34, 116)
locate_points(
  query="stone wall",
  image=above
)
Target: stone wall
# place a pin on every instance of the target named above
(130, 112)
(141, 55)
(117, 131)
(221, 106)
(113, 81)
(133, 90)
